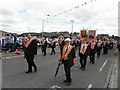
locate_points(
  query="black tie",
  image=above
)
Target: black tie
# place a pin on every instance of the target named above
(66, 49)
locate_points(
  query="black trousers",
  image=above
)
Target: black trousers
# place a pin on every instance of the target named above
(67, 69)
(30, 61)
(92, 58)
(44, 50)
(53, 50)
(83, 61)
(105, 50)
(61, 51)
(7, 47)
(98, 53)
(11, 47)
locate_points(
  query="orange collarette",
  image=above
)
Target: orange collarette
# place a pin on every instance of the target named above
(27, 44)
(65, 55)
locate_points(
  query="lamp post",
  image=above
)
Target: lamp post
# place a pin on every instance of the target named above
(72, 21)
(43, 21)
(42, 27)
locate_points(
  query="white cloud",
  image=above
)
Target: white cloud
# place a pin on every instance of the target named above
(16, 15)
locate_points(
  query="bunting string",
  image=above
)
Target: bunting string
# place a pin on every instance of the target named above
(76, 7)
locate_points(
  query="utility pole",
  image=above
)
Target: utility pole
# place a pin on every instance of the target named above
(72, 28)
(43, 23)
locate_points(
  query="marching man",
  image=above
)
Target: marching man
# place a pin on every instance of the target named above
(99, 47)
(105, 46)
(83, 53)
(92, 51)
(61, 44)
(30, 52)
(52, 46)
(44, 45)
(68, 58)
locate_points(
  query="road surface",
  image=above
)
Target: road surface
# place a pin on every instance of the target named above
(15, 66)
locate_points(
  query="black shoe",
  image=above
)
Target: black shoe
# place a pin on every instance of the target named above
(51, 53)
(65, 80)
(81, 67)
(35, 69)
(93, 63)
(28, 72)
(68, 83)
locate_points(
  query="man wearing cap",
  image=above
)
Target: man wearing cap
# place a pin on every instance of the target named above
(30, 52)
(83, 53)
(68, 58)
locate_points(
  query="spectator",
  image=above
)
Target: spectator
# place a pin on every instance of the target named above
(18, 42)
(11, 39)
(7, 39)
(24, 40)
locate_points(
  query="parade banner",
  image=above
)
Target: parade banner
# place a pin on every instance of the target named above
(91, 35)
(83, 34)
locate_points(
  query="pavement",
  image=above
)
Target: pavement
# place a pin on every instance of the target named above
(95, 76)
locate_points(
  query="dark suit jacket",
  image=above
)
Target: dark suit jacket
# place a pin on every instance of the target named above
(92, 51)
(53, 46)
(70, 58)
(86, 53)
(62, 45)
(31, 49)
(98, 48)
(106, 45)
(45, 45)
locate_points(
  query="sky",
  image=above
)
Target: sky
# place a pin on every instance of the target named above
(20, 16)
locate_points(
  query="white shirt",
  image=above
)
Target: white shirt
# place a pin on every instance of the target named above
(82, 45)
(67, 47)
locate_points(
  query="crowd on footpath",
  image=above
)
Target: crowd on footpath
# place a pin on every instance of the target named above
(15, 43)
(12, 42)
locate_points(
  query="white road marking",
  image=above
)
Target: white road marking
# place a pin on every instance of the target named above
(21, 55)
(76, 68)
(54, 86)
(12, 57)
(90, 86)
(103, 65)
